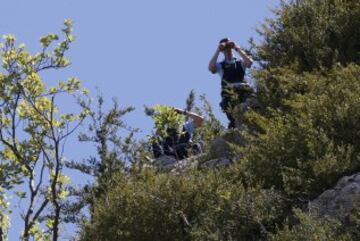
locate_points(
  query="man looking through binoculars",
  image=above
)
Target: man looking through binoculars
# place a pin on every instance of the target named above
(232, 71)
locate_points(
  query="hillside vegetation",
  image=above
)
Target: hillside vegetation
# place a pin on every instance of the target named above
(300, 143)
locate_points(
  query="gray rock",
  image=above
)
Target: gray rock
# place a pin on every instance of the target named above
(221, 147)
(164, 161)
(219, 162)
(240, 110)
(169, 163)
(186, 164)
(341, 199)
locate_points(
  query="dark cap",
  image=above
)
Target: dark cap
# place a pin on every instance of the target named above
(224, 40)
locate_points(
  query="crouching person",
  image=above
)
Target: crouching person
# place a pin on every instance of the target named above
(175, 128)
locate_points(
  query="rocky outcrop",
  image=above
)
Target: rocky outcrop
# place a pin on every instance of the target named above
(223, 146)
(218, 162)
(164, 162)
(340, 200)
(251, 102)
(169, 163)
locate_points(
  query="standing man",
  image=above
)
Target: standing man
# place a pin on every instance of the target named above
(234, 89)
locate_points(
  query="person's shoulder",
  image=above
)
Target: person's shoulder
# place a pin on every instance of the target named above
(189, 125)
(189, 122)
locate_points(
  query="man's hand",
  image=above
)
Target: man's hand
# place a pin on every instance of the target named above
(247, 60)
(198, 120)
(221, 46)
(224, 45)
(236, 47)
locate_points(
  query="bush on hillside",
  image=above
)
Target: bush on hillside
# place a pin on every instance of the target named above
(307, 148)
(189, 206)
(311, 34)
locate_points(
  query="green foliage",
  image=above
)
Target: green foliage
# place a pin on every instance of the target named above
(4, 215)
(351, 224)
(190, 101)
(114, 153)
(308, 143)
(308, 129)
(303, 140)
(33, 130)
(165, 117)
(311, 34)
(188, 206)
(211, 127)
(310, 227)
(103, 131)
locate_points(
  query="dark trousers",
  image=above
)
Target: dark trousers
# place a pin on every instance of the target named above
(179, 151)
(232, 96)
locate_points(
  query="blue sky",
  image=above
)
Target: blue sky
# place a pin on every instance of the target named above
(141, 52)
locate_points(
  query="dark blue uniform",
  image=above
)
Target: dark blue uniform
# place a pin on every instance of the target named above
(234, 89)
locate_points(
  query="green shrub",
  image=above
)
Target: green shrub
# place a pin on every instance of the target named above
(311, 228)
(191, 206)
(306, 146)
(311, 34)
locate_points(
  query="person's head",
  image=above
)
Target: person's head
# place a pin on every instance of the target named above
(226, 46)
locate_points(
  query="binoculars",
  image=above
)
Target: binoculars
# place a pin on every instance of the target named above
(227, 45)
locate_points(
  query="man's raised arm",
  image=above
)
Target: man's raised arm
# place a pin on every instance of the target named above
(247, 59)
(198, 120)
(212, 64)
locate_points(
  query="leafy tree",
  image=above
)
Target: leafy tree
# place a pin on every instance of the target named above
(115, 154)
(308, 85)
(33, 131)
(4, 218)
(306, 130)
(310, 34)
(307, 145)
